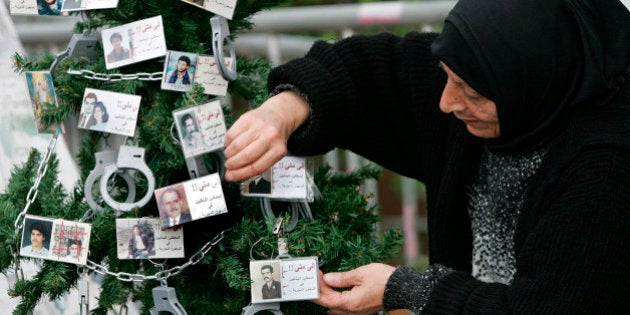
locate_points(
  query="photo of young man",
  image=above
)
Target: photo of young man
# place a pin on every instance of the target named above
(36, 238)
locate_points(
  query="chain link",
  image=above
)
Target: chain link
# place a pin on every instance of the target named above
(112, 77)
(161, 275)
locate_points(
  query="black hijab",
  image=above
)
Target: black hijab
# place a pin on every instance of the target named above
(538, 60)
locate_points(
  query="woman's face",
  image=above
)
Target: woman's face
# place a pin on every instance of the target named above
(98, 114)
(475, 110)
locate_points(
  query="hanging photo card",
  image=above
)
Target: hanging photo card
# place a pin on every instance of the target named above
(41, 93)
(191, 200)
(209, 77)
(36, 7)
(286, 179)
(143, 238)
(134, 42)
(109, 112)
(55, 239)
(201, 128)
(179, 71)
(224, 8)
(77, 5)
(284, 279)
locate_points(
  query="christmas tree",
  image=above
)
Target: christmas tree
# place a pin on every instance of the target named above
(213, 277)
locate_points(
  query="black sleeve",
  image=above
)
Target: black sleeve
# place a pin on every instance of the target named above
(366, 94)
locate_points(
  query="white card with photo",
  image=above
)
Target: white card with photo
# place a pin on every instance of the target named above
(23, 7)
(77, 5)
(55, 239)
(179, 71)
(134, 42)
(36, 7)
(209, 77)
(286, 179)
(41, 92)
(191, 200)
(110, 112)
(143, 238)
(224, 8)
(284, 279)
(201, 128)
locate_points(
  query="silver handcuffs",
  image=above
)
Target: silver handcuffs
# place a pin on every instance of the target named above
(108, 164)
(103, 159)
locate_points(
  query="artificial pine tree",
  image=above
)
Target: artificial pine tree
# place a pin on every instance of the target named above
(214, 278)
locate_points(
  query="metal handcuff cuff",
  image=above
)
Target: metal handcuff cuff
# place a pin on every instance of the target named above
(129, 158)
(103, 159)
(220, 33)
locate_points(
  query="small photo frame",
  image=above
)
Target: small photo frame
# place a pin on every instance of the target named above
(201, 129)
(143, 238)
(134, 42)
(289, 279)
(41, 93)
(287, 179)
(36, 7)
(109, 112)
(209, 77)
(179, 71)
(55, 239)
(190, 200)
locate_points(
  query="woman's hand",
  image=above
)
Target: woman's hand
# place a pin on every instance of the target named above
(258, 138)
(367, 285)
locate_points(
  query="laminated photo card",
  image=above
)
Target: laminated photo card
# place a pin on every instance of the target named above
(201, 129)
(134, 42)
(36, 7)
(287, 179)
(78, 5)
(224, 8)
(190, 200)
(287, 279)
(55, 239)
(109, 112)
(144, 238)
(41, 93)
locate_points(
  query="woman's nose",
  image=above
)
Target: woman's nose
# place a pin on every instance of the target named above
(451, 100)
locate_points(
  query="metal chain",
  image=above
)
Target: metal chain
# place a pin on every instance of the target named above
(41, 171)
(112, 77)
(163, 274)
(122, 276)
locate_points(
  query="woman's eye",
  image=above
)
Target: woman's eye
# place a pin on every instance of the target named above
(472, 93)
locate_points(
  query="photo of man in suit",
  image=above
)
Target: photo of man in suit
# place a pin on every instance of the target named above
(86, 119)
(261, 183)
(171, 206)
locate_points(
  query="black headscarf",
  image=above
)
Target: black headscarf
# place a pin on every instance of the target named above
(538, 60)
